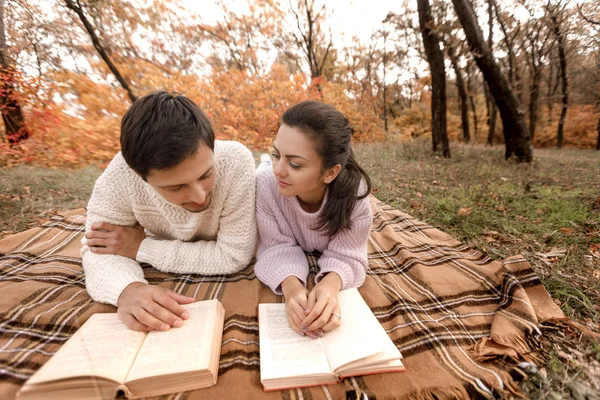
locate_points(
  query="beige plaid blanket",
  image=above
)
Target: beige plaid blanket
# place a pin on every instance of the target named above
(460, 319)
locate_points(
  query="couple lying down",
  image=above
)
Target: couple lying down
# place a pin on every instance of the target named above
(183, 202)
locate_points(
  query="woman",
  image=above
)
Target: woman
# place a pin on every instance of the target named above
(313, 199)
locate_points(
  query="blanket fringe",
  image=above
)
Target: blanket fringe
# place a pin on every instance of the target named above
(516, 342)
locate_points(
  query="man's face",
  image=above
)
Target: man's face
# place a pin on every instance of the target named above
(188, 184)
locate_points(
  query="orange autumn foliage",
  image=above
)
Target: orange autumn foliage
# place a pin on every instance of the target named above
(241, 107)
(75, 120)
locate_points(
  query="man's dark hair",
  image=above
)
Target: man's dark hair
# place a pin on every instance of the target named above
(160, 130)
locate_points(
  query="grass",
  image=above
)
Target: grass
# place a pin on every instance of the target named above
(29, 195)
(548, 211)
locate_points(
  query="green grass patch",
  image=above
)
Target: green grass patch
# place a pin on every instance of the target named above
(28, 195)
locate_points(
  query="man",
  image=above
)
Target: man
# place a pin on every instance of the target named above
(174, 198)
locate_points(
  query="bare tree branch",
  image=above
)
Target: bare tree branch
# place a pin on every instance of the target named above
(587, 19)
(98, 46)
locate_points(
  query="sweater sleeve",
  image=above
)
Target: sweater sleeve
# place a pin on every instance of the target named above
(236, 238)
(279, 255)
(347, 253)
(106, 275)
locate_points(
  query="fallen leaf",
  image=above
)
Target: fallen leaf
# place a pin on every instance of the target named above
(553, 255)
(490, 233)
(489, 239)
(463, 212)
(567, 231)
(595, 250)
(420, 195)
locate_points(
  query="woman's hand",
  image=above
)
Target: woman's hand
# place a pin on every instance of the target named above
(296, 300)
(323, 309)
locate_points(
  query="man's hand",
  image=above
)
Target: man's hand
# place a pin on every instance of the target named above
(296, 300)
(147, 307)
(106, 238)
(324, 310)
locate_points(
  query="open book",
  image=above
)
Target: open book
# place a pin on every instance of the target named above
(104, 358)
(359, 346)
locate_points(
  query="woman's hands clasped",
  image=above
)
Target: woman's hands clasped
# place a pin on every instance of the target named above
(315, 312)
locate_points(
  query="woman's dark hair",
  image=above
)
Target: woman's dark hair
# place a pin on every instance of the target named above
(161, 130)
(331, 133)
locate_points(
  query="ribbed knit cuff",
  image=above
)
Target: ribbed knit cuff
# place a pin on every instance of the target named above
(345, 272)
(115, 292)
(278, 290)
(151, 251)
(275, 280)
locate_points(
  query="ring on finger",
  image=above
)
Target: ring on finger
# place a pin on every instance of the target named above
(336, 315)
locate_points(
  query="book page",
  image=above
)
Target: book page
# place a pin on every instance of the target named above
(284, 353)
(359, 335)
(102, 347)
(179, 349)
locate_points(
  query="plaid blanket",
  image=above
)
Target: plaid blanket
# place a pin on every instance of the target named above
(458, 317)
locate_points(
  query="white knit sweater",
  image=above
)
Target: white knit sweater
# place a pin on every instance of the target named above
(218, 240)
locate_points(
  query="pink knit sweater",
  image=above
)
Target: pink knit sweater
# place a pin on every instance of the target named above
(286, 231)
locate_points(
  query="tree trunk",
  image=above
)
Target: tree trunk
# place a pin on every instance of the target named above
(534, 99)
(435, 58)
(550, 93)
(514, 76)
(562, 56)
(385, 113)
(101, 50)
(12, 114)
(487, 95)
(492, 111)
(492, 116)
(516, 134)
(462, 93)
(598, 143)
(472, 101)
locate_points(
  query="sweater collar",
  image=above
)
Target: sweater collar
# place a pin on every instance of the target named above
(296, 202)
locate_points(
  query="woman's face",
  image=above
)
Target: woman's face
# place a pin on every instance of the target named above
(297, 166)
